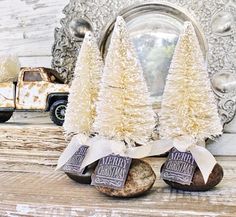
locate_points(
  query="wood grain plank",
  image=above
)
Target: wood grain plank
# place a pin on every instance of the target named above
(43, 135)
(36, 61)
(30, 186)
(223, 145)
(27, 26)
(44, 192)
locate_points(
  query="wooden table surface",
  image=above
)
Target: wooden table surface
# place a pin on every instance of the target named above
(30, 186)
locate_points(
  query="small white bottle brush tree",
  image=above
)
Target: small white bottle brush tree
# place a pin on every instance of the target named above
(81, 108)
(124, 108)
(188, 105)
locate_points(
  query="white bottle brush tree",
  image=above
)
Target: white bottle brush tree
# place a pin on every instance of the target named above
(188, 104)
(9, 68)
(124, 110)
(81, 111)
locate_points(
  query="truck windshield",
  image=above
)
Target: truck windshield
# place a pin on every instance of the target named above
(32, 76)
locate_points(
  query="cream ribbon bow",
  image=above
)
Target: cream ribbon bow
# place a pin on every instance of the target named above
(76, 142)
(100, 147)
(204, 159)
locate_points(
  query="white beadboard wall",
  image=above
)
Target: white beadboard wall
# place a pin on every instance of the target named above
(27, 29)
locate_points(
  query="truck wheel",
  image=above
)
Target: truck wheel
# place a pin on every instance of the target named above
(57, 112)
(5, 116)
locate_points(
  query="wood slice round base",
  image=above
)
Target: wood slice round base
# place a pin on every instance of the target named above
(198, 182)
(140, 179)
(85, 178)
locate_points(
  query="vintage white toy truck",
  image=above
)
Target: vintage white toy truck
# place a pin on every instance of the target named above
(37, 89)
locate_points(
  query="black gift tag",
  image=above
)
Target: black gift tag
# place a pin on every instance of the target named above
(73, 165)
(179, 167)
(111, 171)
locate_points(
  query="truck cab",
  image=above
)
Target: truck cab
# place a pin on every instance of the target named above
(37, 89)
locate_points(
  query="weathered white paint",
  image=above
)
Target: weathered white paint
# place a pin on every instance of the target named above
(7, 95)
(31, 187)
(29, 94)
(33, 94)
(24, 209)
(27, 28)
(224, 145)
(33, 61)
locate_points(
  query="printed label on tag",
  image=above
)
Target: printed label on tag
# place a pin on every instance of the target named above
(179, 167)
(111, 171)
(73, 165)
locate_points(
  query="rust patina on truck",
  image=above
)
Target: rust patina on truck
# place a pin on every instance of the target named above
(37, 89)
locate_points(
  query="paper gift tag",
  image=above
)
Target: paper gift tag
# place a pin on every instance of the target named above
(73, 165)
(111, 171)
(179, 167)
